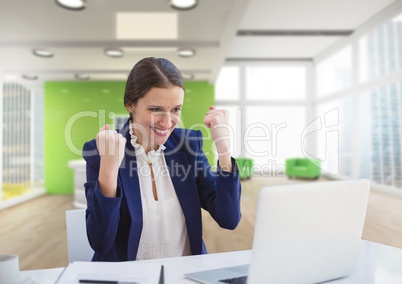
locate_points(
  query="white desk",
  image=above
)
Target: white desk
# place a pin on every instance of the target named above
(378, 264)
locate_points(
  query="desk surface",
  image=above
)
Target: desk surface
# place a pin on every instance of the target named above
(378, 264)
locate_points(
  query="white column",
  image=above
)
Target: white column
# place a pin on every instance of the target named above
(32, 137)
(311, 105)
(243, 105)
(355, 137)
(1, 135)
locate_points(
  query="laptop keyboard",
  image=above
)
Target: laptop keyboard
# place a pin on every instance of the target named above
(237, 280)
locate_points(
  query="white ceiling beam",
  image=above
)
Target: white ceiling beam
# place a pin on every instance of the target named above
(93, 71)
(229, 31)
(308, 33)
(112, 43)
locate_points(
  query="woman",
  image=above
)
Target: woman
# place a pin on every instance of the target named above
(147, 184)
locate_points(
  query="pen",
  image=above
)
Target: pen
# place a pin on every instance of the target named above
(88, 281)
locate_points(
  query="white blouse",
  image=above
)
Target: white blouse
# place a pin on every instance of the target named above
(164, 231)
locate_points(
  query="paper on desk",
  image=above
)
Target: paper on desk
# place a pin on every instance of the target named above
(127, 271)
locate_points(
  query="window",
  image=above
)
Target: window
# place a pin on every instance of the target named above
(381, 51)
(273, 134)
(235, 117)
(370, 119)
(262, 129)
(382, 159)
(334, 136)
(335, 73)
(227, 84)
(22, 145)
(276, 83)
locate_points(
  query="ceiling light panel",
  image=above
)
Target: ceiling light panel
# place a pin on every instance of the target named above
(72, 4)
(186, 52)
(159, 26)
(114, 52)
(30, 77)
(42, 53)
(187, 76)
(82, 77)
(172, 50)
(183, 4)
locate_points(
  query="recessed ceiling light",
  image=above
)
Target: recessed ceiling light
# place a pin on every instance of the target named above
(30, 77)
(183, 5)
(82, 77)
(186, 52)
(42, 53)
(114, 52)
(72, 4)
(187, 76)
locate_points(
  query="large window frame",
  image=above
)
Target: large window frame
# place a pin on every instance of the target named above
(242, 102)
(360, 87)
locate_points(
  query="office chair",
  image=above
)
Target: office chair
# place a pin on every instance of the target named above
(77, 241)
(303, 168)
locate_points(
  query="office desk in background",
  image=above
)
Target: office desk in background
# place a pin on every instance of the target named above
(377, 264)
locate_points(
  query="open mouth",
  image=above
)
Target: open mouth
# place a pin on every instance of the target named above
(160, 132)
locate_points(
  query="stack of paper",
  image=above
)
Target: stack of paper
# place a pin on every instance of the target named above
(128, 272)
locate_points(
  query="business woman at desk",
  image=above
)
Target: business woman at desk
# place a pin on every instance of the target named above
(147, 184)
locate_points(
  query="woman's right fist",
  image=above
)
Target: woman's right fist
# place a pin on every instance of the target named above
(111, 146)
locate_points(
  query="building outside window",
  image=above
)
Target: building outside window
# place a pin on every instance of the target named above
(22, 142)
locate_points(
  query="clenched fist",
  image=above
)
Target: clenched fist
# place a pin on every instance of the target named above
(111, 146)
(218, 121)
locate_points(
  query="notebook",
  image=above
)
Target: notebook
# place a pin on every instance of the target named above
(304, 233)
(123, 272)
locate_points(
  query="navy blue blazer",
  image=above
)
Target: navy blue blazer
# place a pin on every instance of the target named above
(114, 225)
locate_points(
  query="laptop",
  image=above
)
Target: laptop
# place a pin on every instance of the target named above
(304, 233)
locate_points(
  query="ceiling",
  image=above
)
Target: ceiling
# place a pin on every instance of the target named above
(218, 30)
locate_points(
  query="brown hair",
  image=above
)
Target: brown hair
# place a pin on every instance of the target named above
(148, 73)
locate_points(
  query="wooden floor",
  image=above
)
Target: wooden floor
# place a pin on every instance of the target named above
(36, 230)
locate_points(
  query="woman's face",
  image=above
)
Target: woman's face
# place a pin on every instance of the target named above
(156, 114)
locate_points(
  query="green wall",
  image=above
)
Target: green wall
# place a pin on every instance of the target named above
(198, 97)
(75, 111)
